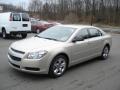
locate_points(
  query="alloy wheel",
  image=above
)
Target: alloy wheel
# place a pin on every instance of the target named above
(59, 66)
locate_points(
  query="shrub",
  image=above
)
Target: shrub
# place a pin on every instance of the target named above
(71, 18)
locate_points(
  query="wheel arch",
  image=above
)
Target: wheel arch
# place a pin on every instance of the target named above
(61, 53)
(2, 28)
(64, 54)
(108, 45)
(50, 71)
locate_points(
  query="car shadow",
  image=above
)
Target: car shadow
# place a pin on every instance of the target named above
(18, 37)
(83, 64)
(29, 76)
(37, 77)
(12, 37)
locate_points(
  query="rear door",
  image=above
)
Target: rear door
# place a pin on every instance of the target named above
(95, 41)
(25, 24)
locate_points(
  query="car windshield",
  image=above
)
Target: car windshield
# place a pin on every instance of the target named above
(58, 33)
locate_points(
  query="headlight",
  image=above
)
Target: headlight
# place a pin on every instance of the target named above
(36, 55)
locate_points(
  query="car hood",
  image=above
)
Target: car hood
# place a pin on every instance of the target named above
(35, 43)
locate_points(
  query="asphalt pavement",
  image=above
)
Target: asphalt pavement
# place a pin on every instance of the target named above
(95, 74)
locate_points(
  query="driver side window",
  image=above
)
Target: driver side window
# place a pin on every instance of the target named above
(83, 33)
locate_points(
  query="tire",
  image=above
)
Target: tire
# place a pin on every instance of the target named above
(37, 31)
(24, 35)
(58, 66)
(4, 35)
(105, 53)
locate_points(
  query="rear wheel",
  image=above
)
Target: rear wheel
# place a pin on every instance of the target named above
(37, 31)
(24, 35)
(105, 52)
(58, 66)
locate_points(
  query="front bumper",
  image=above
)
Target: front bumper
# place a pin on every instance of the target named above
(31, 66)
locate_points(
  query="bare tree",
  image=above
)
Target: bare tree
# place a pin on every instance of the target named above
(93, 11)
(35, 7)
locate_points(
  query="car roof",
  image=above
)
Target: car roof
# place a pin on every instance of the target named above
(77, 26)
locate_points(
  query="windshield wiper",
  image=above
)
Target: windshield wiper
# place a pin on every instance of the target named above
(38, 36)
(51, 39)
(46, 38)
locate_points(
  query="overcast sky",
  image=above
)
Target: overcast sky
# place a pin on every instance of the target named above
(15, 2)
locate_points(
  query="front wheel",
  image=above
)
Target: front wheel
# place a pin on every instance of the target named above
(4, 35)
(105, 53)
(24, 35)
(58, 66)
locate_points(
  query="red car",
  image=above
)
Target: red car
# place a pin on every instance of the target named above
(39, 26)
(54, 22)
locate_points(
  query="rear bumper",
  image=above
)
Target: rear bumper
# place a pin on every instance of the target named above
(19, 32)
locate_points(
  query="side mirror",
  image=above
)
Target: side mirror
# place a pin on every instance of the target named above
(78, 38)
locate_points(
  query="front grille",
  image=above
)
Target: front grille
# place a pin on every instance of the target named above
(14, 58)
(17, 66)
(17, 51)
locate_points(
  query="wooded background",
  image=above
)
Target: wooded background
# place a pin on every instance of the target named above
(75, 11)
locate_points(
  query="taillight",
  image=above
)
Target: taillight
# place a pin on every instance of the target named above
(10, 19)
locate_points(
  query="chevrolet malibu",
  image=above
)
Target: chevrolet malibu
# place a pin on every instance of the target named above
(59, 47)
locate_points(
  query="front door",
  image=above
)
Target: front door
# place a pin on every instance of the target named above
(80, 49)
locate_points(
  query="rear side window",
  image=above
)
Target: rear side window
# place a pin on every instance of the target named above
(25, 17)
(94, 32)
(84, 33)
(34, 22)
(16, 17)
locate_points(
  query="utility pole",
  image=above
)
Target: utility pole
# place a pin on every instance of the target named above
(92, 12)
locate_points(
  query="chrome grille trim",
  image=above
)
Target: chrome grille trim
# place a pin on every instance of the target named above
(17, 51)
(14, 57)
